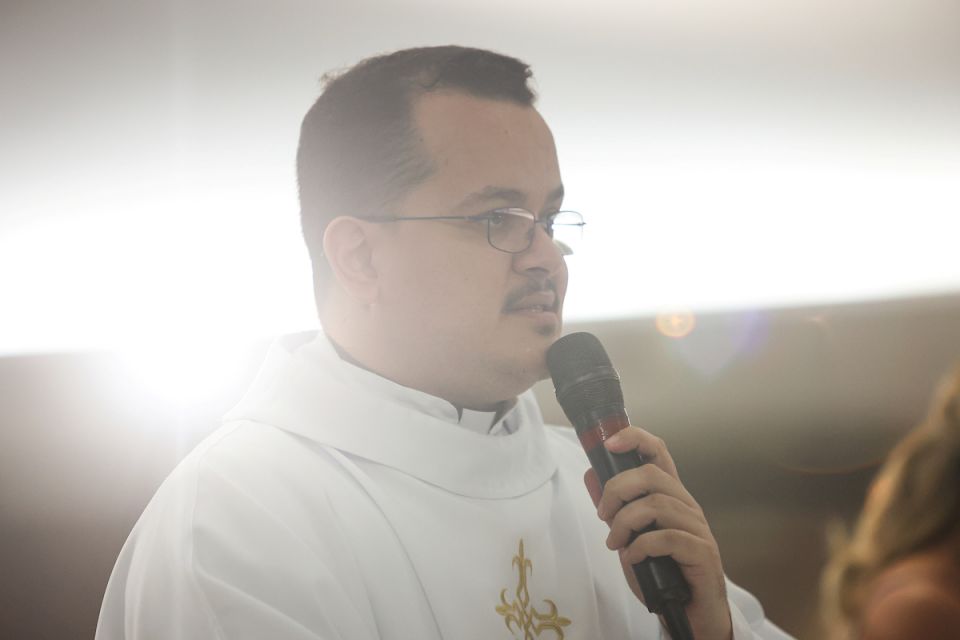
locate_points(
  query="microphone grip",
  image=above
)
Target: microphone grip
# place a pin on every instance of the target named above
(660, 578)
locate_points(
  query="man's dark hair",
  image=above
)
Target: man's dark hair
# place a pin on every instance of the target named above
(359, 150)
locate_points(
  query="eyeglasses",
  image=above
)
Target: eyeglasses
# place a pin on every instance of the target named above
(511, 229)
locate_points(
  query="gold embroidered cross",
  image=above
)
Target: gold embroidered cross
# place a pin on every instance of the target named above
(519, 613)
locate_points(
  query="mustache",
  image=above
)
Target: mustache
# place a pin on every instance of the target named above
(531, 287)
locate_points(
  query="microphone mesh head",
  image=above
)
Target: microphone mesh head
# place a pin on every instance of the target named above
(583, 377)
(573, 355)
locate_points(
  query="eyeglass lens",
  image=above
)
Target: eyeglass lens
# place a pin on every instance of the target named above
(514, 233)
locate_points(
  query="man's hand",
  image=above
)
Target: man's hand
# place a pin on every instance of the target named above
(634, 499)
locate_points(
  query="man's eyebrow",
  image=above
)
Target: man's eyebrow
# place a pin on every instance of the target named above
(504, 194)
(489, 193)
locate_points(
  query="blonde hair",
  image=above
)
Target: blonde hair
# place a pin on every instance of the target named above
(913, 504)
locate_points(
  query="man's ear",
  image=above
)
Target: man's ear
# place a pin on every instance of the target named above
(348, 246)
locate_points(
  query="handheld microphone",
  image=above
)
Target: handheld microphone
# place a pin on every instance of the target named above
(588, 390)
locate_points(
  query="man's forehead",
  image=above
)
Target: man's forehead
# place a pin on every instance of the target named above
(507, 195)
(487, 151)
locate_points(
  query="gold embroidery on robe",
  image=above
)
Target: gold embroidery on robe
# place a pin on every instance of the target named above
(520, 616)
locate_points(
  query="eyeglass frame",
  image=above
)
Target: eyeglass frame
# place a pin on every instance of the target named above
(546, 222)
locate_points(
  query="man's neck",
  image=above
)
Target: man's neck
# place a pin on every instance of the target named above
(500, 408)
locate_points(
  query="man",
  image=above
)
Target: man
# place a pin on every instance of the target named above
(390, 476)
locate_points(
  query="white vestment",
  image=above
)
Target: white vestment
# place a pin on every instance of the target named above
(335, 504)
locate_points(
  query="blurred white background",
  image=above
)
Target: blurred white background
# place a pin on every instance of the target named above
(742, 154)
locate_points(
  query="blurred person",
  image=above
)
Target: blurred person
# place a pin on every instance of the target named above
(898, 576)
(390, 475)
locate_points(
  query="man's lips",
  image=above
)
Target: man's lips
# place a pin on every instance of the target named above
(535, 302)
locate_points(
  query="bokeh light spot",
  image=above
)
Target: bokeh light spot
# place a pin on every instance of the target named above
(677, 324)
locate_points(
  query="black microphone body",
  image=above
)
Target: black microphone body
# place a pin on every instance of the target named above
(588, 390)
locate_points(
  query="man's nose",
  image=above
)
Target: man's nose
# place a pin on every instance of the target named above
(543, 253)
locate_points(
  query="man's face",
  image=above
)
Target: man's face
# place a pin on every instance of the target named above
(473, 323)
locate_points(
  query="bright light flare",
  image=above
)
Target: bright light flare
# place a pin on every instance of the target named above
(194, 266)
(185, 374)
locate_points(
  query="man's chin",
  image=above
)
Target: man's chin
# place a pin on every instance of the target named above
(548, 331)
(547, 324)
(550, 335)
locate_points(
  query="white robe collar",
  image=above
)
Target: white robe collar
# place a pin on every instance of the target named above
(305, 388)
